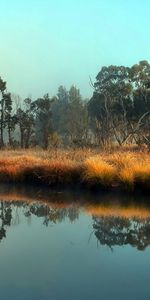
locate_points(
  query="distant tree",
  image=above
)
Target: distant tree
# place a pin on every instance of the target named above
(22, 123)
(77, 117)
(9, 119)
(2, 107)
(43, 119)
(30, 121)
(60, 112)
(24, 118)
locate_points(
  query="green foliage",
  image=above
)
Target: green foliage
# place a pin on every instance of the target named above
(121, 97)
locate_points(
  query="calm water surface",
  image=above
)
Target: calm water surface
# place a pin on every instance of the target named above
(61, 246)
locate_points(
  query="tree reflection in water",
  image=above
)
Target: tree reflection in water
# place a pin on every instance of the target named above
(9, 214)
(119, 231)
(53, 214)
(5, 216)
(109, 230)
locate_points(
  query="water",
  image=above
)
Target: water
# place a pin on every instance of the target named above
(59, 245)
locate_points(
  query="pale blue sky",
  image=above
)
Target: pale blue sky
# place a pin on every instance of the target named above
(45, 43)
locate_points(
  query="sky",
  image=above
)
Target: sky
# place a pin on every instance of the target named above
(45, 43)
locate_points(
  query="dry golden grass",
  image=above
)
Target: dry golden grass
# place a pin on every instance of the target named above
(98, 171)
(142, 174)
(121, 168)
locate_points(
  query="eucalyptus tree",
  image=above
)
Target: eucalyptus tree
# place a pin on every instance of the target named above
(111, 104)
(140, 76)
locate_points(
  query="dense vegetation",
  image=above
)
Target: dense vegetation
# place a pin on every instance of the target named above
(118, 112)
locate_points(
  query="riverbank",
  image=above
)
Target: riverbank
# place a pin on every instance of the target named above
(122, 169)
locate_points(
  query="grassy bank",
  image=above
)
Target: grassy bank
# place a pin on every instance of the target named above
(124, 169)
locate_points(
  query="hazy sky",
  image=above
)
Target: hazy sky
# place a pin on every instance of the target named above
(45, 43)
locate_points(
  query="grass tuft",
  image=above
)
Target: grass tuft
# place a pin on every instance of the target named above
(98, 171)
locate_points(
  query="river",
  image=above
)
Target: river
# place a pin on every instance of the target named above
(64, 245)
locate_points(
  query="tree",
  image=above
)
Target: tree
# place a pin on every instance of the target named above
(111, 104)
(60, 112)
(120, 105)
(24, 118)
(9, 119)
(43, 119)
(22, 123)
(2, 102)
(30, 121)
(140, 76)
(77, 117)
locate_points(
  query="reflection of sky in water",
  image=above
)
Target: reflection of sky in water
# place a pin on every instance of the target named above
(61, 251)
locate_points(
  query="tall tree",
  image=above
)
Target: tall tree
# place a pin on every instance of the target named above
(140, 76)
(113, 101)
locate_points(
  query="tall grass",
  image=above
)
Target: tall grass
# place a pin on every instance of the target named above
(122, 169)
(98, 171)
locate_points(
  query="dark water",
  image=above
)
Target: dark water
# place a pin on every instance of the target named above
(64, 247)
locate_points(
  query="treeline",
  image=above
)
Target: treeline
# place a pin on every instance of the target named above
(118, 112)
